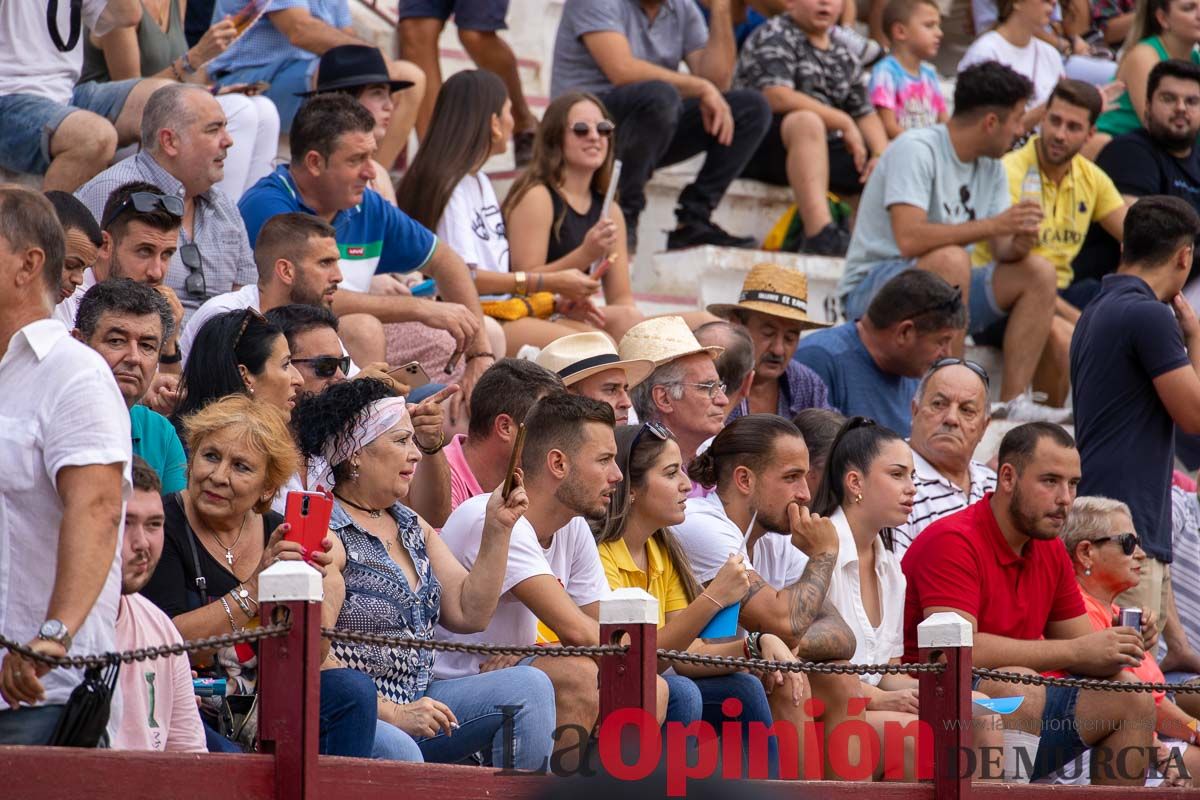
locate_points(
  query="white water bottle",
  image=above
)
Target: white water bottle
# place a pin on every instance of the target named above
(1031, 186)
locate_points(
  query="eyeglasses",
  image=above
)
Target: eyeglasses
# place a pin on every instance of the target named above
(655, 429)
(145, 203)
(712, 388)
(326, 366)
(604, 129)
(974, 366)
(247, 315)
(194, 283)
(1128, 541)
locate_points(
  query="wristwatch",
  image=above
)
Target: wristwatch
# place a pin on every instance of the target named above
(54, 630)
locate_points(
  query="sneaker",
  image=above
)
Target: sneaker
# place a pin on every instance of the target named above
(829, 241)
(700, 232)
(1025, 408)
(867, 51)
(523, 147)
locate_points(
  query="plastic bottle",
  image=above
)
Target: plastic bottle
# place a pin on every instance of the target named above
(1031, 186)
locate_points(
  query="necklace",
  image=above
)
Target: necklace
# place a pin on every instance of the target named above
(373, 513)
(229, 549)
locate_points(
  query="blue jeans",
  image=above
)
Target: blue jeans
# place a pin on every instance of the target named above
(510, 711)
(685, 704)
(983, 307)
(31, 726)
(702, 699)
(348, 713)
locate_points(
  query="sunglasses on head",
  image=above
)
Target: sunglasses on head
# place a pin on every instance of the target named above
(974, 366)
(326, 366)
(146, 203)
(194, 283)
(655, 429)
(1128, 541)
(950, 305)
(247, 315)
(603, 128)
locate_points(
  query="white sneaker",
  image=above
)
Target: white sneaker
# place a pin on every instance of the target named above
(1024, 408)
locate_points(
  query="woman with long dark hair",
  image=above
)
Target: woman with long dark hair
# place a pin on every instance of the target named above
(447, 190)
(239, 352)
(638, 549)
(554, 208)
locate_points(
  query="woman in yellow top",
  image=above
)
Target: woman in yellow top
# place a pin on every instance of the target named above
(638, 549)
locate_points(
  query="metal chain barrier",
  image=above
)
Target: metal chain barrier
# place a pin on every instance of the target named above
(765, 665)
(1084, 683)
(148, 653)
(354, 637)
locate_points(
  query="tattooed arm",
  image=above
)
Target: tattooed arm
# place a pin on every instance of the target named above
(829, 638)
(791, 612)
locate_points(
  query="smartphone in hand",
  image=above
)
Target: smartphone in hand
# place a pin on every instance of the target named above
(412, 375)
(514, 461)
(308, 515)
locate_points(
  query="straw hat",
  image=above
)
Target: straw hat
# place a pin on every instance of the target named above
(579, 355)
(775, 290)
(663, 339)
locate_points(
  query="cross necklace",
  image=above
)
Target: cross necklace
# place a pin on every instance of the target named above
(229, 550)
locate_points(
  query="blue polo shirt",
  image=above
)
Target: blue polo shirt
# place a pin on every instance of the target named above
(1124, 339)
(373, 236)
(857, 386)
(155, 440)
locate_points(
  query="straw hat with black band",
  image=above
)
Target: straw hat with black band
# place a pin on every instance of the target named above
(582, 355)
(774, 290)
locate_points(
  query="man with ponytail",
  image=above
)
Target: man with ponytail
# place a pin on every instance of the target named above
(757, 467)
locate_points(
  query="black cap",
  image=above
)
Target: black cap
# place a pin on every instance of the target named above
(352, 65)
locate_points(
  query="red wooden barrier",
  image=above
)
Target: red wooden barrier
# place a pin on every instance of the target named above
(945, 704)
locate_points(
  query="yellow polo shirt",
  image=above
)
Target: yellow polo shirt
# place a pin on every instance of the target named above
(1085, 195)
(662, 582)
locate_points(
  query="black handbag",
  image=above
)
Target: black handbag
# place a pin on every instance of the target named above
(85, 716)
(72, 32)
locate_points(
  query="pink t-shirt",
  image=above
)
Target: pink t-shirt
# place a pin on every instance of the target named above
(158, 704)
(463, 485)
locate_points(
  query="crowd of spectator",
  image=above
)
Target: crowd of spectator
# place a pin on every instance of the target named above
(193, 328)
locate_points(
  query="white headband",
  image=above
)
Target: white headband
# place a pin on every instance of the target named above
(375, 420)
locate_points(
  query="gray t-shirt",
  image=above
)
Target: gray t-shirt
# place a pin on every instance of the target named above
(678, 29)
(920, 168)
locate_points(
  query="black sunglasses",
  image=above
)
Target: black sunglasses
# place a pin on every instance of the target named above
(146, 203)
(1128, 541)
(974, 366)
(604, 129)
(194, 283)
(655, 429)
(326, 366)
(950, 305)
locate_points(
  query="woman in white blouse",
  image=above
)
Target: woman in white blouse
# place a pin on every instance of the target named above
(866, 491)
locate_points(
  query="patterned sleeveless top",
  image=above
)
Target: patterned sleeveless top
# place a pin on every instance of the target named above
(379, 600)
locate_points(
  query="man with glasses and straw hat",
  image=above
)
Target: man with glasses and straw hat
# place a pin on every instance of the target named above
(589, 365)
(773, 309)
(684, 391)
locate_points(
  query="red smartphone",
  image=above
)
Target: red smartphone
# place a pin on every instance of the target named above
(308, 515)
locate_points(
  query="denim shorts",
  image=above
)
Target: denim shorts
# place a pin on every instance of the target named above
(984, 309)
(469, 15)
(28, 121)
(287, 78)
(1059, 742)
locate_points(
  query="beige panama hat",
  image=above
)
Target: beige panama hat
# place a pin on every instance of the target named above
(579, 355)
(775, 290)
(662, 339)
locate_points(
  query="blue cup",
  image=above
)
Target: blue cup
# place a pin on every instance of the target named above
(723, 624)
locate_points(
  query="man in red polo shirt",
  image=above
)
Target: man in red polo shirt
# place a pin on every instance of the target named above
(999, 564)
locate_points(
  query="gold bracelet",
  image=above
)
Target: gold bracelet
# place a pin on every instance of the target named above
(714, 602)
(522, 283)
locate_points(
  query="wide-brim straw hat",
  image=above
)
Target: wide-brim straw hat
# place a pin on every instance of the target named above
(775, 290)
(581, 355)
(662, 339)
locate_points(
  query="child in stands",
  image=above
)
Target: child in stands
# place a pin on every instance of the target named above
(904, 88)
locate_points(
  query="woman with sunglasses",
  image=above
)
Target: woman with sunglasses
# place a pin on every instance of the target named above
(638, 549)
(554, 209)
(447, 190)
(239, 352)
(1107, 557)
(867, 490)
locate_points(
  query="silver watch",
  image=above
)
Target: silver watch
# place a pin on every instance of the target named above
(54, 630)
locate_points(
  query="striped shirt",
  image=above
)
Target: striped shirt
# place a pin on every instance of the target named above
(265, 44)
(1185, 568)
(217, 229)
(938, 497)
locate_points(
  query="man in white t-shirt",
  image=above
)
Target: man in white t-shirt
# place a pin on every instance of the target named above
(554, 573)
(65, 448)
(48, 125)
(298, 261)
(159, 702)
(757, 466)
